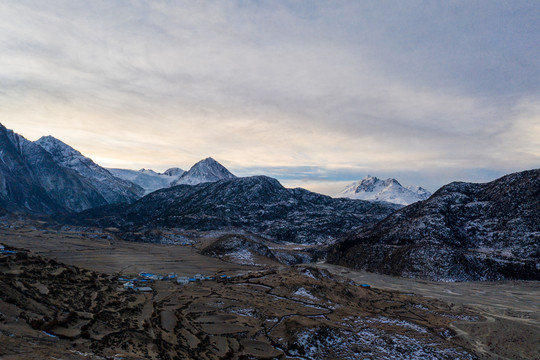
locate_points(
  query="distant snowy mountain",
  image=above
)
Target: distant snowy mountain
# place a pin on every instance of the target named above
(207, 170)
(389, 190)
(113, 189)
(148, 179)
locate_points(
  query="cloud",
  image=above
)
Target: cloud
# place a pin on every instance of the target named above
(394, 87)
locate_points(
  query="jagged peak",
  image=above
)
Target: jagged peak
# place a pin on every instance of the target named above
(392, 181)
(206, 170)
(369, 178)
(51, 140)
(209, 161)
(52, 144)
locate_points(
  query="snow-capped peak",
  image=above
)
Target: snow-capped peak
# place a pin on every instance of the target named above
(207, 170)
(148, 172)
(390, 190)
(174, 172)
(57, 148)
(113, 189)
(68, 157)
(419, 190)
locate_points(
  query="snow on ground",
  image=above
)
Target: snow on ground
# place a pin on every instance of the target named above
(308, 273)
(243, 312)
(244, 257)
(305, 294)
(321, 343)
(402, 323)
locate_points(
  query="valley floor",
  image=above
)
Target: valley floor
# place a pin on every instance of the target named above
(81, 311)
(510, 310)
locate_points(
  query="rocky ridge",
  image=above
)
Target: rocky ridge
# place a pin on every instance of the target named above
(113, 189)
(31, 181)
(465, 231)
(258, 204)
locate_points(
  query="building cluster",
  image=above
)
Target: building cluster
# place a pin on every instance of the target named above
(6, 252)
(144, 279)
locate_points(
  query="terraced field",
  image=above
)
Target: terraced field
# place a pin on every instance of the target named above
(62, 299)
(51, 310)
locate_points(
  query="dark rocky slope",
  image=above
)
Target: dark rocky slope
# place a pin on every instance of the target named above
(31, 181)
(257, 204)
(464, 231)
(113, 189)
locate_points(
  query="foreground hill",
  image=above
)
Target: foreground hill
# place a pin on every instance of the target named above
(258, 204)
(32, 181)
(464, 231)
(390, 190)
(50, 310)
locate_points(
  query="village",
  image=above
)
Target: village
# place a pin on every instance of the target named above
(6, 252)
(142, 282)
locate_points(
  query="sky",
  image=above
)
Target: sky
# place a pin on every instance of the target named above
(314, 93)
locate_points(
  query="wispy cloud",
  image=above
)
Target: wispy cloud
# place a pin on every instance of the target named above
(381, 88)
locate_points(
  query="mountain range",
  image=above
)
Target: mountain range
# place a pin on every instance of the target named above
(48, 176)
(389, 190)
(258, 204)
(148, 179)
(206, 170)
(464, 231)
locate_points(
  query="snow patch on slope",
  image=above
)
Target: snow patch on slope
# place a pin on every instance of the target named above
(370, 343)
